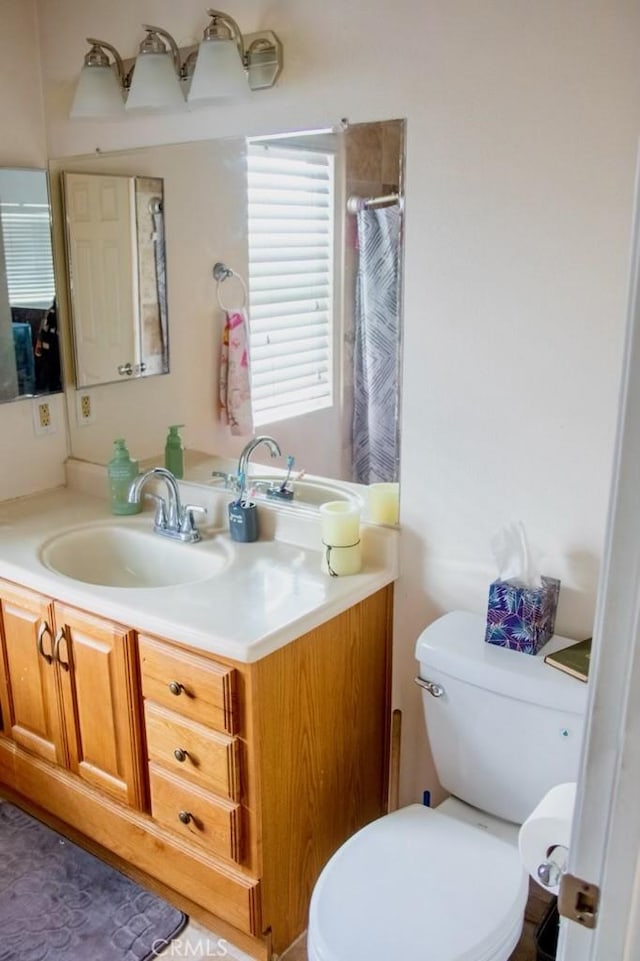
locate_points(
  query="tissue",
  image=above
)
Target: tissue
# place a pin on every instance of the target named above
(548, 826)
(512, 556)
(521, 611)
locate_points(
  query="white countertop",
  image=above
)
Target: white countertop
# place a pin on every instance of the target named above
(269, 593)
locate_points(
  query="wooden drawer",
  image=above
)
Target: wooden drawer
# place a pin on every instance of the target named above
(191, 751)
(213, 822)
(196, 687)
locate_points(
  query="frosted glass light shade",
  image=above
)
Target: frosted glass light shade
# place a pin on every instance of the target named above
(155, 85)
(218, 72)
(98, 94)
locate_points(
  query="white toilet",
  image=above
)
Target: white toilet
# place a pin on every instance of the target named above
(447, 884)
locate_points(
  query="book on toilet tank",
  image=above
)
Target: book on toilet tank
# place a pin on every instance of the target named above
(573, 660)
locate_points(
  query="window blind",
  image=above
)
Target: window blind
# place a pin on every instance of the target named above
(290, 211)
(26, 235)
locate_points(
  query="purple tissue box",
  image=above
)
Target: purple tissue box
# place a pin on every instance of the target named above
(522, 618)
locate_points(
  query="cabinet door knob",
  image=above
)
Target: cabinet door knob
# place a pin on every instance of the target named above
(42, 630)
(185, 817)
(60, 637)
(180, 755)
(176, 687)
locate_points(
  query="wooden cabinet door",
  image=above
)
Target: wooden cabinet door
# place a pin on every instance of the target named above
(30, 704)
(98, 679)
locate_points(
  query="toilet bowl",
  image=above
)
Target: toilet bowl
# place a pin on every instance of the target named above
(420, 885)
(447, 884)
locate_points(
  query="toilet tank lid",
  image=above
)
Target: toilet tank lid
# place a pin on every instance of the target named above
(454, 645)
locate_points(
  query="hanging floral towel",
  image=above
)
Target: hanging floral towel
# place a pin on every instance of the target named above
(235, 378)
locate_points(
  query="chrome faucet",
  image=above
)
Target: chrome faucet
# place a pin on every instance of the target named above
(243, 463)
(172, 519)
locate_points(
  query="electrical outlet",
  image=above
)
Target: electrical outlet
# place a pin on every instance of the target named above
(85, 408)
(43, 419)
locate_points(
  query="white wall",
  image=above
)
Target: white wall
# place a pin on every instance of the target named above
(30, 463)
(522, 126)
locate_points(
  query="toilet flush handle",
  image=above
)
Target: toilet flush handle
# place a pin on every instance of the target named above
(436, 690)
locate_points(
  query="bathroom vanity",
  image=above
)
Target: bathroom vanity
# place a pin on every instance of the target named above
(225, 782)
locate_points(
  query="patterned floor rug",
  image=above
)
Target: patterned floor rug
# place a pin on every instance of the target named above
(58, 903)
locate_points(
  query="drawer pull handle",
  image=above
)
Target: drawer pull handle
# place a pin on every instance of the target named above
(42, 630)
(60, 637)
(180, 755)
(176, 687)
(185, 817)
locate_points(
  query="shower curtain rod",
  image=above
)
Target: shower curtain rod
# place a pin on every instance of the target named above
(355, 204)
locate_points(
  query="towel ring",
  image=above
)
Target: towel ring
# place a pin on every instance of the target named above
(221, 273)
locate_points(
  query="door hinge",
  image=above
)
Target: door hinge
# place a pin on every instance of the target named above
(578, 900)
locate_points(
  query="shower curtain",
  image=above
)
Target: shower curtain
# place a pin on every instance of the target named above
(377, 347)
(157, 216)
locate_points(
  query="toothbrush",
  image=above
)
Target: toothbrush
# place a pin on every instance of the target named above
(248, 497)
(290, 463)
(242, 482)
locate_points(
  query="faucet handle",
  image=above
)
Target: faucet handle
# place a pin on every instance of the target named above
(160, 520)
(230, 481)
(187, 523)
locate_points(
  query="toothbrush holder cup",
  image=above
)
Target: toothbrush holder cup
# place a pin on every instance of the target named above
(243, 522)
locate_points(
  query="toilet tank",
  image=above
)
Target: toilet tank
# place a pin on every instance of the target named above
(507, 726)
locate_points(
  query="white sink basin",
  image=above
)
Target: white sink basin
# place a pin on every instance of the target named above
(116, 556)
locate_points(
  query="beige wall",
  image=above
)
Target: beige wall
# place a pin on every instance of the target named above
(30, 463)
(522, 122)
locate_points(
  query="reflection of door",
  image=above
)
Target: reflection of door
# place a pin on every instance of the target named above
(101, 230)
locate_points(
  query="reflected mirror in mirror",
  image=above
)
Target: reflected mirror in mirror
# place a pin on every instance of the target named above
(117, 276)
(29, 345)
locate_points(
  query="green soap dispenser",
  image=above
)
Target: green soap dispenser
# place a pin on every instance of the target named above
(122, 471)
(174, 452)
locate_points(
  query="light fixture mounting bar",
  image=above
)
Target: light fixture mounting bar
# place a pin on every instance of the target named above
(264, 59)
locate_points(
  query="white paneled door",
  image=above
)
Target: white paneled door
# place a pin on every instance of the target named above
(605, 845)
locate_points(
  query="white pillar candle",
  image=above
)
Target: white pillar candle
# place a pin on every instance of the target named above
(340, 523)
(343, 560)
(340, 526)
(384, 502)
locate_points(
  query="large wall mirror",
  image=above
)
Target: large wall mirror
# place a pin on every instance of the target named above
(117, 276)
(312, 222)
(29, 345)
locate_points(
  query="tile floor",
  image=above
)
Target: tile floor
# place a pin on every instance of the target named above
(195, 941)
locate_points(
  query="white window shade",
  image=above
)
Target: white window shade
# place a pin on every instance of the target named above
(26, 234)
(291, 203)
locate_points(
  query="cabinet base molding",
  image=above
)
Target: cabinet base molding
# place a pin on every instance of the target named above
(225, 898)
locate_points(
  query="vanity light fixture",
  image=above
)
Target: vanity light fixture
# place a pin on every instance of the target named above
(226, 61)
(99, 93)
(220, 62)
(165, 77)
(155, 84)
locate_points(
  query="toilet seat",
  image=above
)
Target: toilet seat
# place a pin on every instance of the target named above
(419, 885)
